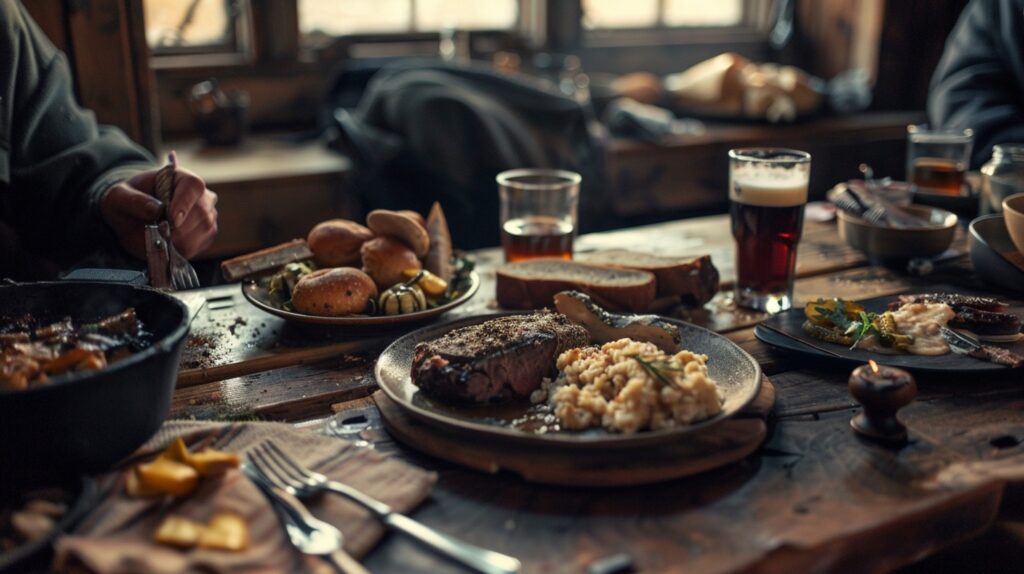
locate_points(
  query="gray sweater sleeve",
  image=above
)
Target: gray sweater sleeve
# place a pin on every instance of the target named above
(979, 82)
(55, 159)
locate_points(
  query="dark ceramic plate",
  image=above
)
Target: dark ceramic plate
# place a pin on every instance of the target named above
(784, 331)
(737, 373)
(258, 296)
(993, 254)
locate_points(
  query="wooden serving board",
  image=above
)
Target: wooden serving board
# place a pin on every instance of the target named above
(721, 444)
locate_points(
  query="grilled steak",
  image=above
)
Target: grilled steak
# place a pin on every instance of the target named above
(982, 316)
(496, 360)
(956, 300)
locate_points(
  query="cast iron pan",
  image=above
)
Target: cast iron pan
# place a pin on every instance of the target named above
(82, 423)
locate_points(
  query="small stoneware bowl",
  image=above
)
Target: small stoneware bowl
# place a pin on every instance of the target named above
(885, 244)
(1013, 212)
(993, 254)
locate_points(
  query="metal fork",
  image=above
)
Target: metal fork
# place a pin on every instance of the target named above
(307, 533)
(301, 482)
(183, 275)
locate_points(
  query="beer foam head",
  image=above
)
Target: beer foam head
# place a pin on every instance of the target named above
(768, 187)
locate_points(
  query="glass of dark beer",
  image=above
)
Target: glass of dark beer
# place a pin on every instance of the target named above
(538, 213)
(937, 159)
(767, 194)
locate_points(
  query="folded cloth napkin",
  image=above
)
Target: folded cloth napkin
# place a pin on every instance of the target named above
(117, 537)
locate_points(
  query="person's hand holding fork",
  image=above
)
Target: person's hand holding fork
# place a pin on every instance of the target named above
(130, 205)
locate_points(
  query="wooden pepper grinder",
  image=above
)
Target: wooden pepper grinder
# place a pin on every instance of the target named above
(882, 391)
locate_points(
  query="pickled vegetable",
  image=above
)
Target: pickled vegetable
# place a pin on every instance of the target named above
(827, 334)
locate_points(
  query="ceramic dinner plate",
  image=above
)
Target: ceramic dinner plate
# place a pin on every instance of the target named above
(737, 373)
(257, 295)
(784, 331)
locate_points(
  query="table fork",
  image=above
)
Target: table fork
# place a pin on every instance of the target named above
(183, 275)
(306, 532)
(299, 481)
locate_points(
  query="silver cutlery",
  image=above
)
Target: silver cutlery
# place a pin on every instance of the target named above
(306, 532)
(299, 481)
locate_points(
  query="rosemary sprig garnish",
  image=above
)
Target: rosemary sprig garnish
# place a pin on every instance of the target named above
(656, 368)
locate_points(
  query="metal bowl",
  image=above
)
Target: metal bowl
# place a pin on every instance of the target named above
(885, 244)
(993, 255)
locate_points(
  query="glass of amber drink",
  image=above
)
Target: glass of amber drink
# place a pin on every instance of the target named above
(538, 213)
(767, 194)
(937, 160)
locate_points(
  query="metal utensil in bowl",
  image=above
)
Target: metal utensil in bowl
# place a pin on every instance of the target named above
(887, 244)
(84, 422)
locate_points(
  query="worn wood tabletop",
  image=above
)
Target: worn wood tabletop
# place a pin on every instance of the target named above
(814, 498)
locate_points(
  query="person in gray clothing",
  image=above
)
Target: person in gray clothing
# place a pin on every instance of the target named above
(979, 82)
(72, 189)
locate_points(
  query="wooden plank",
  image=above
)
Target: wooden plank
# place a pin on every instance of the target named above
(286, 394)
(230, 338)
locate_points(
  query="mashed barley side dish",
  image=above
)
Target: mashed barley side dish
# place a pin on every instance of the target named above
(629, 386)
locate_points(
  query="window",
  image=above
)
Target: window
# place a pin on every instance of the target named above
(188, 26)
(615, 14)
(352, 17)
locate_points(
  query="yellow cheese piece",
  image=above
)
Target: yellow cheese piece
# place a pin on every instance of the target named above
(225, 531)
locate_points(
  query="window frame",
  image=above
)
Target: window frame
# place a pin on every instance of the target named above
(273, 49)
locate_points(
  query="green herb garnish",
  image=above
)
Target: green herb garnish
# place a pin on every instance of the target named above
(657, 370)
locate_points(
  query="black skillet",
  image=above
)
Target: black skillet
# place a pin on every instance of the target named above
(82, 423)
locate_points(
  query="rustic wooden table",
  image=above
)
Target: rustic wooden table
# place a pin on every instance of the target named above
(814, 498)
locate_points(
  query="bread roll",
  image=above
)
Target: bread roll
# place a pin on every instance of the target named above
(415, 215)
(402, 226)
(334, 292)
(385, 258)
(336, 242)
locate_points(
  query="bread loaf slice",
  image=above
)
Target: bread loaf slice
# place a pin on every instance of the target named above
(692, 280)
(533, 284)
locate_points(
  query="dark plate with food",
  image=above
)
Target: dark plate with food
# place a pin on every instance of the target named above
(260, 293)
(576, 378)
(86, 374)
(939, 332)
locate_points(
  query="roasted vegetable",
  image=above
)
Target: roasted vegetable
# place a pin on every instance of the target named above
(225, 531)
(282, 282)
(403, 298)
(432, 285)
(178, 531)
(832, 312)
(167, 476)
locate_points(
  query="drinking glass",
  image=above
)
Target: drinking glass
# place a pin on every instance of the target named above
(538, 213)
(937, 159)
(767, 194)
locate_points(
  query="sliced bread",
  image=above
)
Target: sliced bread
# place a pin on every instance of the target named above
(533, 284)
(692, 279)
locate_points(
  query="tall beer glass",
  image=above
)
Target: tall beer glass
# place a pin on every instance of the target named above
(767, 194)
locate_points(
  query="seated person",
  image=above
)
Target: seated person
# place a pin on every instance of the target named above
(71, 189)
(979, 82)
